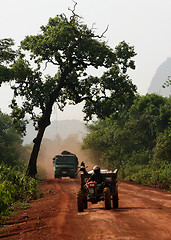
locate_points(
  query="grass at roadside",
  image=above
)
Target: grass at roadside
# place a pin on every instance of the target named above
(148, 175)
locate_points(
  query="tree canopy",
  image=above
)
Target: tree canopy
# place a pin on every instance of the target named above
(7, 56)
(72, 48)
(10, 143)
(142, 136)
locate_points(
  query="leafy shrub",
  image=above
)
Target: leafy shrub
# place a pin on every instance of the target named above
(16, 187)
(149, 175)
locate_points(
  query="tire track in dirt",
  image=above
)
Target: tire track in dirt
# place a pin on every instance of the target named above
(57, 223)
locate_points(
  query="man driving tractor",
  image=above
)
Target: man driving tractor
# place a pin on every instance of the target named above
(98, 178)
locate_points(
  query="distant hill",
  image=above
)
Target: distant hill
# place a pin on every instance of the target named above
(63, 129)
(160, 77)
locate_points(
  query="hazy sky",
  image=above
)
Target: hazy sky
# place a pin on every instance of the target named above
(144, 24)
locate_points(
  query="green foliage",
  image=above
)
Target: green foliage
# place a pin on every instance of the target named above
(15, 187)
(152, 113)
(167, 83)
(162, 150)
(72, 47)
(12, 152)
(149, 175)
(7, 56)
(136, 141)
(9, 140)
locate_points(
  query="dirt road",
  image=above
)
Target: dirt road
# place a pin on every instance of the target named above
(144, 213)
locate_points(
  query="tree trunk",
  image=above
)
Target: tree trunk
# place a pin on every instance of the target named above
(32, 166)
(42, 124)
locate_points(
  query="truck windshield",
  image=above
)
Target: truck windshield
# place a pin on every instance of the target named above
(65, 160)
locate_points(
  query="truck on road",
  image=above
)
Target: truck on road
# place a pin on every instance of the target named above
(65, 165)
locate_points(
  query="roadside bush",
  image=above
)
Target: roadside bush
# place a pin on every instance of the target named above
(15, 187)
(148, 175)
(127, 170)
(161, 177)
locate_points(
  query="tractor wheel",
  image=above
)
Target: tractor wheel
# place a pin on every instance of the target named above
(107, 197)
(115, 201)
(85, 202)
(80, 203)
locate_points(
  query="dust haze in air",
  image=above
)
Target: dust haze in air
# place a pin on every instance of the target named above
(50, 148)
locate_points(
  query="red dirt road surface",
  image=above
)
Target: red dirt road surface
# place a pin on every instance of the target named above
(143, 214)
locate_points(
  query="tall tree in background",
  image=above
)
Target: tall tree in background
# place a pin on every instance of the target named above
(143, 134)
(10, 143)
(72, 48)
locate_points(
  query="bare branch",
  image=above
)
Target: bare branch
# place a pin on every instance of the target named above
(102, 35)
(73, 11)
(75, 4)
(45, 65)
(92, 28)
(88, 34)
(50, 60)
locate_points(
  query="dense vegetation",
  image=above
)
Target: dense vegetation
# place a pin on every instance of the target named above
(15, 187)
(12, 152)
(137, 141)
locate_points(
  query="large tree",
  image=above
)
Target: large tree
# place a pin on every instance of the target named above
(73, 49)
